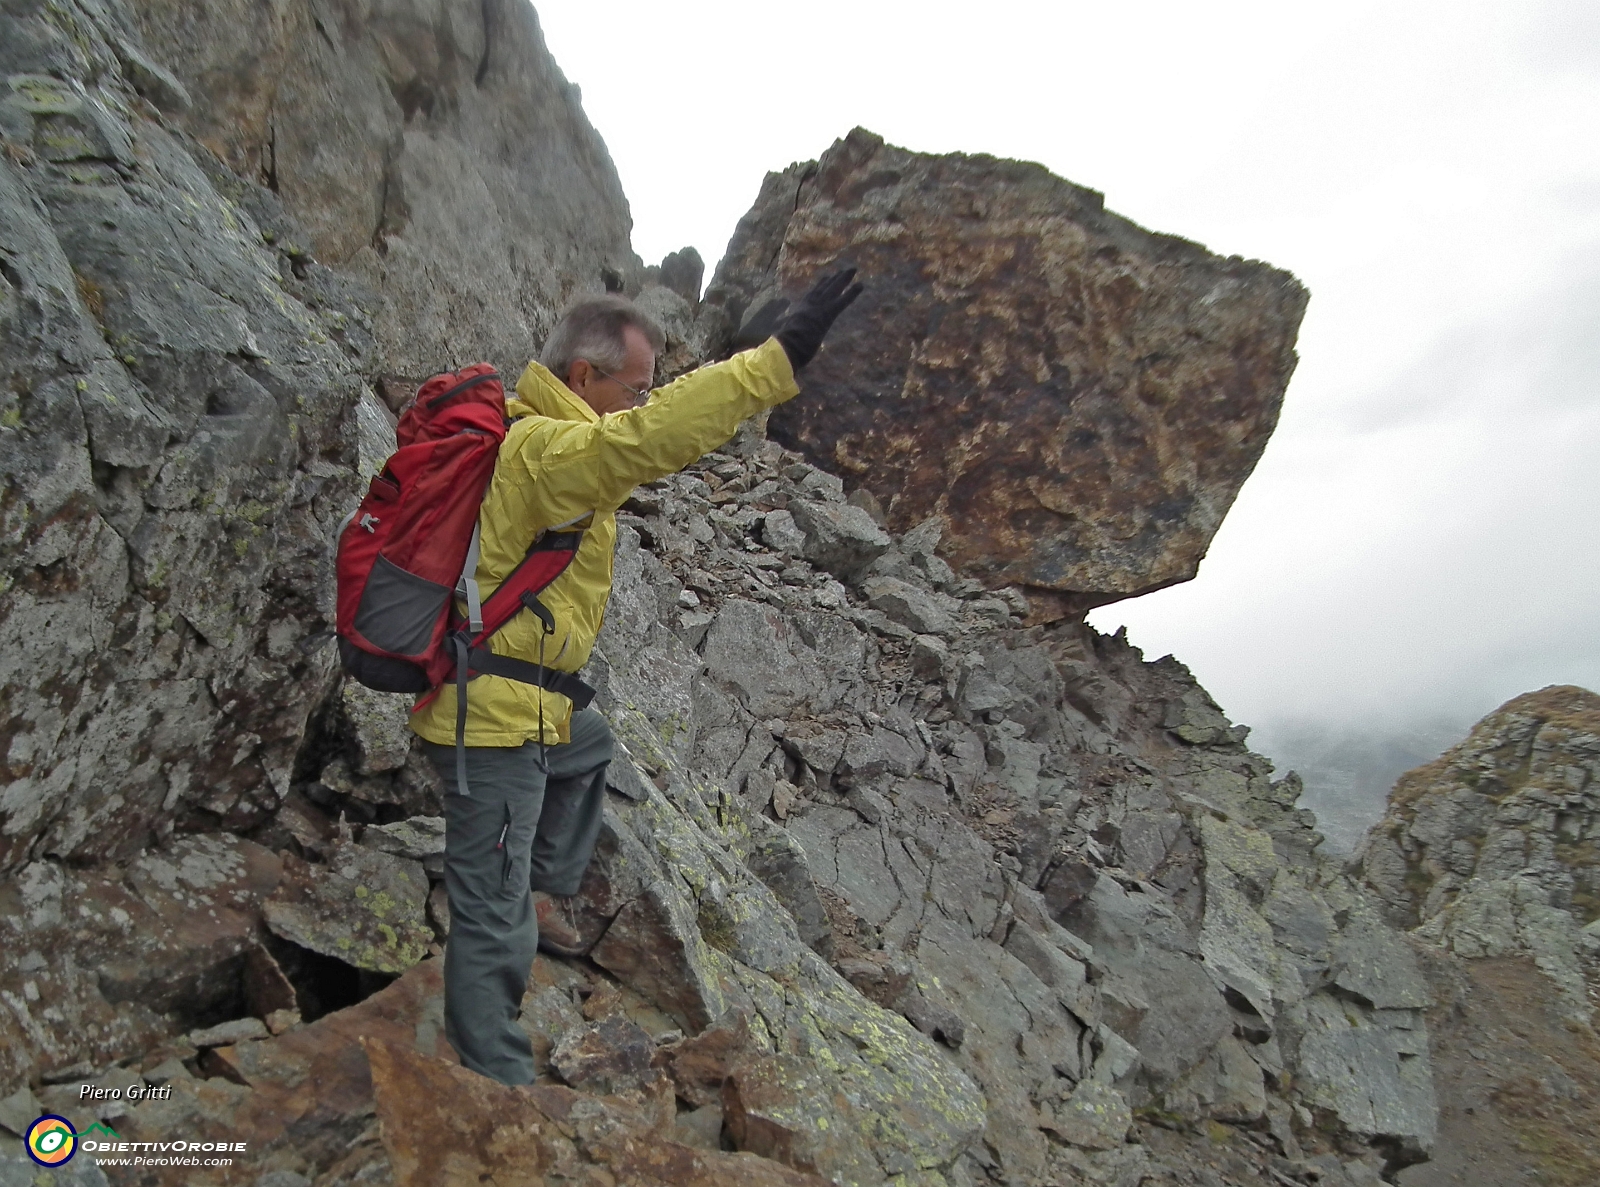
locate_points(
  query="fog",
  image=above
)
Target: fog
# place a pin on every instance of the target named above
(1421, 540)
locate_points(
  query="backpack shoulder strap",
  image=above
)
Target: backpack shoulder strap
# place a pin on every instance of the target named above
(546, 559)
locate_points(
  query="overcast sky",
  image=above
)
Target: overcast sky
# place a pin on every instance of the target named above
(1422, 536)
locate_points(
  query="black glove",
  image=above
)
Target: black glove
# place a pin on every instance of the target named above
(760, 325)
(800, 334)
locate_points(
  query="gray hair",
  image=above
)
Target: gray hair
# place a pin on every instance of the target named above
(591, 329)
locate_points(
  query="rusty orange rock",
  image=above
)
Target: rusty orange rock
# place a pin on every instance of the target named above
(443, 1126)
(1078, 398)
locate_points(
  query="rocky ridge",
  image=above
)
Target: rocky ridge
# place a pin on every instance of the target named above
(1019, 904)
(1493, 849)
(893, 887)
(1487, 855)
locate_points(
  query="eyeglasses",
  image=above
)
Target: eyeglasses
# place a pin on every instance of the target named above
(641, 394)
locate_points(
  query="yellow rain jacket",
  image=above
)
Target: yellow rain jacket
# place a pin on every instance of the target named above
(560, 460)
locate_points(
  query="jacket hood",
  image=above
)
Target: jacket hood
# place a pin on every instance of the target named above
(540, 393)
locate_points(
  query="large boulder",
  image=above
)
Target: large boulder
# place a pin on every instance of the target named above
(1078, 397)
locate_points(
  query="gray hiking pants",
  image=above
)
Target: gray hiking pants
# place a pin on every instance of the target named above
(523, 824)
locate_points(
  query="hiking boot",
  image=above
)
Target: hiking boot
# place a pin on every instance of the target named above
(559, 931)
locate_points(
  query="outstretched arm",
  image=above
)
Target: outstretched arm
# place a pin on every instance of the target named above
(593, 467)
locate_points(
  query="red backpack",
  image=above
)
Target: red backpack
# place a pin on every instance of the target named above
(411, 548)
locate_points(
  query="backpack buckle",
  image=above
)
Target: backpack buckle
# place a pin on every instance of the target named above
(540, 611)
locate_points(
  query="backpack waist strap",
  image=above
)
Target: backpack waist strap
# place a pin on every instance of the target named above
(482, 660)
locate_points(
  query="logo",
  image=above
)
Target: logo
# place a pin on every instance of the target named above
(51, 1141)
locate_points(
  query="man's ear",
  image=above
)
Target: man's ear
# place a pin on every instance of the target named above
(578, 374)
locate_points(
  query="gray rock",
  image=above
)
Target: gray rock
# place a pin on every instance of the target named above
(1482, 849)
(1062, 973)
(215, 415)
(165, 1072)
(1094, 1115)
(838, 537)
(868, 756)
(624, 778)
(346, 162)
(776, 665)
(826, 486)
(868, 502)
(674, 313)
(778, 860)
(18, 1111)
(682, 271)
(417, 839)
(366, 908)
(1378, 967)
(933, 1017)
(780, 533)
(929, 653)
(1195, 718)
(920, 541)
(18, 1170)
(152, 80)
(1226, 1086)
(378, 723)
(921, 611)
(1014, 765)
(375, 429)
(1497, 918)
(1116, 1059)
(821, 750)
(993, 611)
(1376, 1078)
(225, 1034)
(977, 690)
(1186, 1018)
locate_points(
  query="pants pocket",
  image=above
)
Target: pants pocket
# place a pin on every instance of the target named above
(505, 849)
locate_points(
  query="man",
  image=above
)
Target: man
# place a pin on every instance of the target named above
(579, 442)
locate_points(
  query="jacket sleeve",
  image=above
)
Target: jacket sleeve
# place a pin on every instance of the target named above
(594, 466)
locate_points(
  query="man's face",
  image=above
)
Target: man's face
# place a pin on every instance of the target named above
(611, 392)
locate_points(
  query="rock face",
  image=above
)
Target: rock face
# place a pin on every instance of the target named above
(433, 150)
(189, 392)
(176, 409)
(1493, 849)
(1078, 398)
